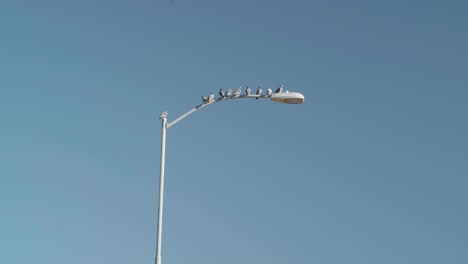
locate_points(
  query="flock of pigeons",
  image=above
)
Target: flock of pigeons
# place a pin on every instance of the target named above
(237, 93)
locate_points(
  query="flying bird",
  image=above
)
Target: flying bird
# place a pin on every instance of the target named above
(280, 89)
(269, 92)
(204, 99)
(221, 93)
(210, 97)
(238, 91)
(228, 93)
(247, 91)
(259, 91)
(163, 115)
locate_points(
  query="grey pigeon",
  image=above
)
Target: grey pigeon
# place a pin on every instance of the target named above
(259, 91)
(280, 89)
(221, 93)
(210, 97)
(228, 93)
(163, 115)
(238, 91)
(204, 99)
(269, 92)
(247, 91)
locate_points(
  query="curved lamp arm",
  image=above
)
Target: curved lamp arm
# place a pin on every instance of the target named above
(198, 107)
(288, 98)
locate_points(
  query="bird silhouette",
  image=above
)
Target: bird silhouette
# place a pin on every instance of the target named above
(269, 92)
(247, 91)
(210, 97)
(221, 93)
(259, 91)
(238, 91)
(280, 89)
(228, 93)
(204, 99)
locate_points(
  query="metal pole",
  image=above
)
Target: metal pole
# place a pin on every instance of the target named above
(161, 189)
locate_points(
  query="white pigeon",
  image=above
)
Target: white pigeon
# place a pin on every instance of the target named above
(221, 93)
(269, 92)
(238, 91)
(204, 99)
(280, 89)
(163, 115)
(210, 97)
(247, 91)
(228, 93)
(259, 91)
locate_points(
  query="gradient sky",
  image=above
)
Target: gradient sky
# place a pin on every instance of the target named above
(372, 168)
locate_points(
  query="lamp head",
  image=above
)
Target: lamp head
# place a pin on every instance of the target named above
(288, 98)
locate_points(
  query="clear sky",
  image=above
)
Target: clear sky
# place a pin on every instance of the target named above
(372, 168)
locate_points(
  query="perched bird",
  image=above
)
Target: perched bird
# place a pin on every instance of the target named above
(269, 92)
(163, 115)
(228, 93)
(247, 91)
(204, 99)
(237, 91)
(210, 97)
(280, 89)
(259, 91)
(221, 93)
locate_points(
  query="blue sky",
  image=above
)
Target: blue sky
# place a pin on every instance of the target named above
(372, 168)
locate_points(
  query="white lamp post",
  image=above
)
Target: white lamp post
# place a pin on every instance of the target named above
(286, 98)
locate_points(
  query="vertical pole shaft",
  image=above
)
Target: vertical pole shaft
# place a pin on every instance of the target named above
(161, 190)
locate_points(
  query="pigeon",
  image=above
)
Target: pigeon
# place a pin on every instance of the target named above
(238, 91)
(163, 115)
(280, 89)
(269, 92)
(228, 93)
(247, 91)
(259, 91)
(204, 99)
(210, 97)
(221, 93)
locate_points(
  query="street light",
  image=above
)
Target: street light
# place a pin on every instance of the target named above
(285, 98)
